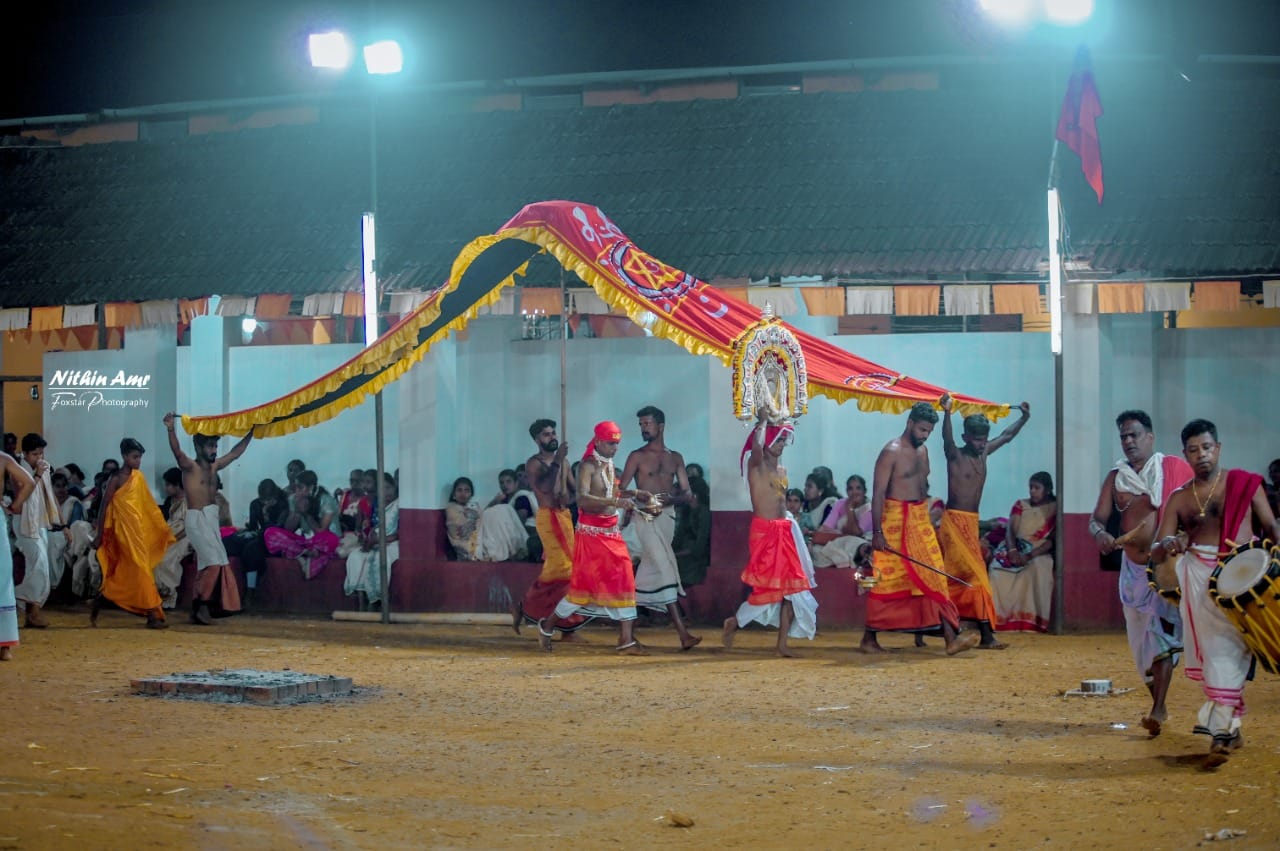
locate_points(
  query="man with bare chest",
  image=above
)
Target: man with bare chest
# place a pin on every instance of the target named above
(602, 583)
(1203, 522)
(1137, 488)
(778, 569)
(661, 472)
(553, 486)
(908, 597)
(216, 589)
(958, 532)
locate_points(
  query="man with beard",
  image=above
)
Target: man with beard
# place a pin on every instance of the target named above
(602, 583)
(1202, 522)
(215, 583)
(1137, 488)
(660, 471)
(909, 597)
(553, 487)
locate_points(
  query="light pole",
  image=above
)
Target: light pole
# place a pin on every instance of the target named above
(333, 50)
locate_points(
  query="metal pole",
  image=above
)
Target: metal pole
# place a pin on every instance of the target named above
(384, 575)
(1055, 299)
(564, 358)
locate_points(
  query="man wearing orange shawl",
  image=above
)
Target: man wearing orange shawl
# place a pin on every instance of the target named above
(553, 486)
(131, 539)
(1202, 522)
(908, 597)
(958, 533)
(778, 567)
(603, 583)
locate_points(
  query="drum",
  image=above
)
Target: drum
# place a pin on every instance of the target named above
(1168, 588)
(1246, 584)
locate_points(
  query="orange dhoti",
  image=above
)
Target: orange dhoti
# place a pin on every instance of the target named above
(907, 597)
(958, 538)
(555, 529)
(603, 583)
(134, 539)
(776, 571)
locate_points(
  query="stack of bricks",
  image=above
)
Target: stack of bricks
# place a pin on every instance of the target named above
(244, 685)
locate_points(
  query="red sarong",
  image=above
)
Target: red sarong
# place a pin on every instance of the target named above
(773, 566)
(602, 573)
(555, 529)
(908, 597)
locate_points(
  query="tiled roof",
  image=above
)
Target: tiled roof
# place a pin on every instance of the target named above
(881, 185)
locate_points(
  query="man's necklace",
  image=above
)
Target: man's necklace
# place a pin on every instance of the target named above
(1208, 497)
(606, 465)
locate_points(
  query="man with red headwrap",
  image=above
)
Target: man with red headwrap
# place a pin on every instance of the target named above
(602, 583)
(777, 569)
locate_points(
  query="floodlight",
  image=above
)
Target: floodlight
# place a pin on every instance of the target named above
(1068, 12)
(383, 57)
(1007, 10)
(329, 50)
(248, 325)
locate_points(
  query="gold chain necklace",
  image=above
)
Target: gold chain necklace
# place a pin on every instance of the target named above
(1208, 497)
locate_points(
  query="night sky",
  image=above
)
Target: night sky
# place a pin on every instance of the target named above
(73, 56)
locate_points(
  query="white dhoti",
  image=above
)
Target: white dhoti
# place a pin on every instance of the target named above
(363, 574)
(205, 535)
(86, 576)
(168, 573)
(1146, 614)
(502, 535)
(1216, 655)
(804, 606)
(658, 575)
(35, 582)
(57, 556)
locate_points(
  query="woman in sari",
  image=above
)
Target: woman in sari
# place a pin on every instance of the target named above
(1021, 569)
(494, 534)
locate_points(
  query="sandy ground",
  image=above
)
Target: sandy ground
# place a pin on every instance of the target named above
(468, 737)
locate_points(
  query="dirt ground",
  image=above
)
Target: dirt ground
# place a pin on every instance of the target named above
(468, 737)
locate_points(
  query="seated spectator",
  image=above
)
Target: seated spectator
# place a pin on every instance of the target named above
(363, 574)
(496, 534)
(271, 508)
(168, 573)
(310, 531)
(1022, 567)
(76, 484)
(61, 539)
(795, 503)
(854, 503)
(225, 520)
(525, 502)
(819, 497)
(692, 539)
(291, 472)
(355, 510)
(95, 495)
(695, 471)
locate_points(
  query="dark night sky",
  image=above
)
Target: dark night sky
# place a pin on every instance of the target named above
(71, 56)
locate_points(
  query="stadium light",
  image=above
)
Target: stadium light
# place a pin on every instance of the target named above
(1068, 12)
(383, 57)
(1010, 11)
(329, 50)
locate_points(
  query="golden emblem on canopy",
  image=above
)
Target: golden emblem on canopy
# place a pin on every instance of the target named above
(769, 374)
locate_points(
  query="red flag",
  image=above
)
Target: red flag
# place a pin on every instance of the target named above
(1078, 123)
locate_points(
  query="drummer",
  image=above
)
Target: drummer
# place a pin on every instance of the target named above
(1137, 487)
(1205, 519)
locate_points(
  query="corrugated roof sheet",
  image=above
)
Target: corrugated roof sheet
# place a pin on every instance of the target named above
(895, 185)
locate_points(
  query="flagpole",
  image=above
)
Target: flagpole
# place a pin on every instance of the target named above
(564, 358)
(1055, 347)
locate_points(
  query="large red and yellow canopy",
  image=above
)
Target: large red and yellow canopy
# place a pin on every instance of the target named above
(672, 304)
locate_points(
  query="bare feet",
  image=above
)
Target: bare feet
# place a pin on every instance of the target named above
(201, 615)
(35, 620)
(920, 640)
(966, 639)
(572, 638)
(632, 648)
(690, 641)
(94, 609)
(156, 621)
(517, 614)
(6, 653)
(1220, 750)
(785, 652)
(1151, 725)
(871, 645)
(544, 638)
(993, 645)
(730, 627)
